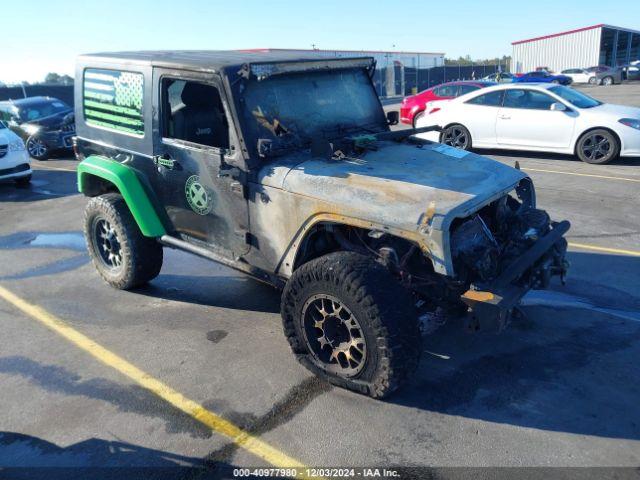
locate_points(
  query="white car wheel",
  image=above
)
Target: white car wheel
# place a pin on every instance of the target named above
(456, 136)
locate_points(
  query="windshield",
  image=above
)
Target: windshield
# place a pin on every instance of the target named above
(575, 97)
(321, 104)
(36, 110)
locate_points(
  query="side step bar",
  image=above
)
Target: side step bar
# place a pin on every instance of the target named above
(239, 265)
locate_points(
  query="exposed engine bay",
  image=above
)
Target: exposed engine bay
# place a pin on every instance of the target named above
(507, 247)
(484, 245)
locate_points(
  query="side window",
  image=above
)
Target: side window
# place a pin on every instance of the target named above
(529, 99)
(446, 91)
(466, 89)
(193, 112)
(491, 99)
(113, 99)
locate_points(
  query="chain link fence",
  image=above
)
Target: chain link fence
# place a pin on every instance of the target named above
(398, 80)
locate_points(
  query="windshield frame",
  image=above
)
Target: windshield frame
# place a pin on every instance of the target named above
(250, 135)
(563, 88)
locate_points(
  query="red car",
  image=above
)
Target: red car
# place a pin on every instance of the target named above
(413, 107)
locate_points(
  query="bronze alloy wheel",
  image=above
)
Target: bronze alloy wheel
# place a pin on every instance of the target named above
(334, 336)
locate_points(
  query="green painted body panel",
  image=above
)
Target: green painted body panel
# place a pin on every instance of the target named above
(130, 187)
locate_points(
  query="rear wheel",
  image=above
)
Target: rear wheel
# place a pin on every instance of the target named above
(456, 136)
(37, 148)
(598, 147)
(124, 257)
(350, 322)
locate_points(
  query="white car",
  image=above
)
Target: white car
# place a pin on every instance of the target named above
(580, 75)
(537, 117)
(14, 160)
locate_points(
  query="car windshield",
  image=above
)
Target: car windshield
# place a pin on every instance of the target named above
(36, 110)
(575, 97)
(307, 105)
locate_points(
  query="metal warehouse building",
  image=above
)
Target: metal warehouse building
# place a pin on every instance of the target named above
(581, 48)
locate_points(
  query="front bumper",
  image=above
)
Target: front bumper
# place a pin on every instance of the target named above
(58, 139)
(492, 305)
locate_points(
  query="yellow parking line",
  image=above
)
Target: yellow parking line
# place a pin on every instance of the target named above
(218, 424)
(607, 177)
(634, 253)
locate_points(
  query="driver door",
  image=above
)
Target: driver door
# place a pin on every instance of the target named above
(526, 120)
(194, 146)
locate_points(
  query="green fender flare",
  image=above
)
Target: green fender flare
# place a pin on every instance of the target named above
(127, 182)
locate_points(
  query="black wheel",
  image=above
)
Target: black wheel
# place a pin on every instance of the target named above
(597, 146)
(607, 81)
(123, 256)
(23, 181)
(456, 136)
(416, 117)
(349, 321)
(37, 148)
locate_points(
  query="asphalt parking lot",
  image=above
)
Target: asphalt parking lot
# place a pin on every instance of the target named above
(560, 387)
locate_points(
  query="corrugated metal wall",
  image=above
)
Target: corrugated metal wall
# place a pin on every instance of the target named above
(573, 50)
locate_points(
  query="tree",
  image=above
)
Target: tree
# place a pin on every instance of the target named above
(52, 78)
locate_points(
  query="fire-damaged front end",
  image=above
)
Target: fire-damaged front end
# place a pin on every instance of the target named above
(502, 251)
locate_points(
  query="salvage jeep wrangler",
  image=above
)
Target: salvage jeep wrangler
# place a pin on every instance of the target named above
(286, 169)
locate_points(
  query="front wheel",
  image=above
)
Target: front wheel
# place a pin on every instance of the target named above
(456, 136)
(124, 257)
(607, 81)
(37, 148)
(598, 147)
(593, 81)
(350, 322)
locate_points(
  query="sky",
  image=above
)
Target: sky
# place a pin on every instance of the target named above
(41, 36)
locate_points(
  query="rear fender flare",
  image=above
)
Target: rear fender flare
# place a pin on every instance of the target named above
(126, 181)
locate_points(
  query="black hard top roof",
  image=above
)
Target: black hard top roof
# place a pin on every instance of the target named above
(208, 60)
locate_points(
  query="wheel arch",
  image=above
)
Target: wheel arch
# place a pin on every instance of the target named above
(329, 233)
(98, 175)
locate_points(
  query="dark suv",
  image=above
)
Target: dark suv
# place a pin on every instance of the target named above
(44, 123)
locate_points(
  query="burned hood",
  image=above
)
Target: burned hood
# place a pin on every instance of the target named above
(397, 184)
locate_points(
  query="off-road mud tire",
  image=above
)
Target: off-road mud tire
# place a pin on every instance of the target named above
(141, 256)
(384, 309)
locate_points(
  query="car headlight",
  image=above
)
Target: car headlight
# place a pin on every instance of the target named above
(16, 146)
(31, 129)
(631, 122)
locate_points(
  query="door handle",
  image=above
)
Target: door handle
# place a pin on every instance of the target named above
(166, 161)
(504, 117)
